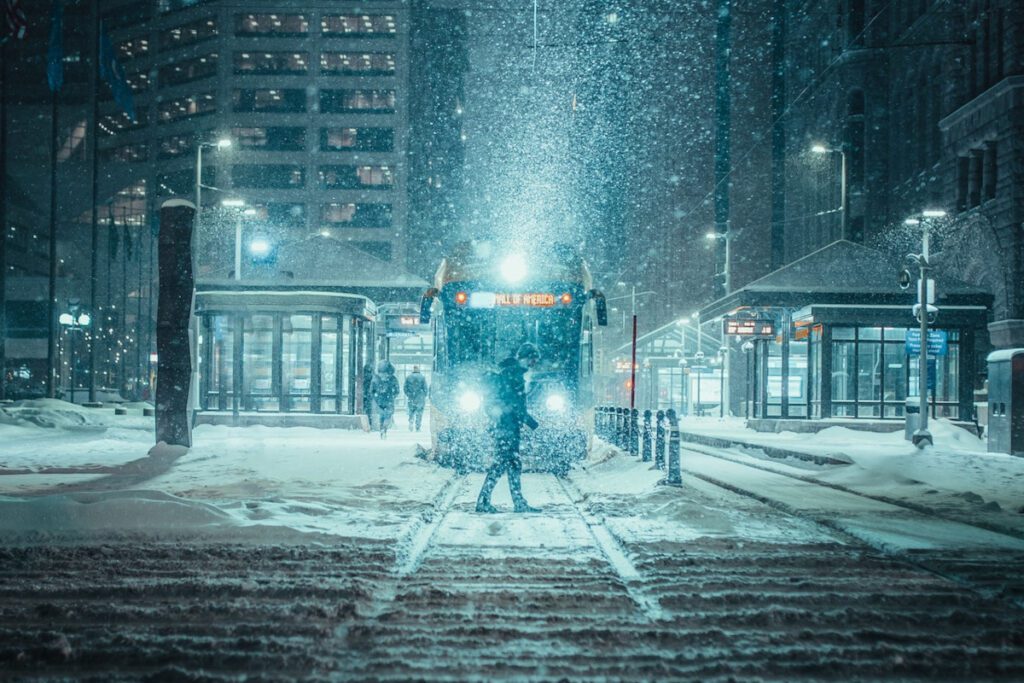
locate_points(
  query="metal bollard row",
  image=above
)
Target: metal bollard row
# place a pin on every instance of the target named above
(674, 477)
(659, 441)
(646, 449)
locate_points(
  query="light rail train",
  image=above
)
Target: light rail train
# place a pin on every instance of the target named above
(486, 301)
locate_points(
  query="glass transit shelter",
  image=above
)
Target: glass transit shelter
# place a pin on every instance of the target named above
(840, 345)
(283, 351)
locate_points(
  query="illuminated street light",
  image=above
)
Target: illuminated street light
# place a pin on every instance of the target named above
(844, 199)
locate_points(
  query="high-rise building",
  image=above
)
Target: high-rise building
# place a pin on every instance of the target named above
(313, 100)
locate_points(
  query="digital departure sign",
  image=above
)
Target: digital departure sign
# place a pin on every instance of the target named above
(540, 299)
(758, 328)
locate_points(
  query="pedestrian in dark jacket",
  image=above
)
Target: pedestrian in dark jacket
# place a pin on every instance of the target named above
(508, 416)
(385, 390)
(368, 374)
(416, 397)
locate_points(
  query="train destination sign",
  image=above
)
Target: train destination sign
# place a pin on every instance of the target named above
(542, 299)
(758, 328)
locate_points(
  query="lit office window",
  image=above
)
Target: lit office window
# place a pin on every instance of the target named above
(363, 25)
(288, 63)
(268, 176)
(271, 139)
(357, 63)
(357, 139)
(271, 24)
(269, 100)
(133, 48)
(356, 177)
(186, 107)
(351, 215)
(126, 153)
(188, 34)
(188, 70)
(357, 101)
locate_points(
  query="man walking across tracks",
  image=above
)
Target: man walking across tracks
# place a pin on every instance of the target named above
(508, 414)
(416, 397)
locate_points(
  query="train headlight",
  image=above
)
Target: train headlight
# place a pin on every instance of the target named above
(555, 402)
(513, 268)
(470, 401)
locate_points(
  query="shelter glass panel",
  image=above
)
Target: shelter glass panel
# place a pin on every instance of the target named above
(844, 378)
(296, 361)
(258, 345)
(330, 360)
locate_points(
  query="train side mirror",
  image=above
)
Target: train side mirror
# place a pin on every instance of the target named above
(601, 307)
(425, 303)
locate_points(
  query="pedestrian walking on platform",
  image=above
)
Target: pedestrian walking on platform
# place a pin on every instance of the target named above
(384, 389)
(416, 391)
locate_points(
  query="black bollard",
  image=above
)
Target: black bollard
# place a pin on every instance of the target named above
(634, 432)
(599, 421)
(620, 441)
(674, 477)
(659, 441)
(646, 449)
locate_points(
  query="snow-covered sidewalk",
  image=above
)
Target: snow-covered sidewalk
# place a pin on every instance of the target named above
(886, 464)
(92, 472)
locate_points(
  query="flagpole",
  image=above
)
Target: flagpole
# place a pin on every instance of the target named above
(3, 221)
(51, 350)
(94, 264)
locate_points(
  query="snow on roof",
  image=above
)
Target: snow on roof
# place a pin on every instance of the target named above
(846, 267)
(320, 260)
(1004, 355)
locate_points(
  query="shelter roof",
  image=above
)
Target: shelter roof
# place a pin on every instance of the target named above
(841, 272)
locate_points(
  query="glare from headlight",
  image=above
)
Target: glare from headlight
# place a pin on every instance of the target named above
(555, 402)
(469, 402)
(513, 268)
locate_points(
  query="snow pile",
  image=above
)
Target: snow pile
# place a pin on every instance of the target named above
(51, 413)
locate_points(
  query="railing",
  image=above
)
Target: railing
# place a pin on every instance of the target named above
(656, 441)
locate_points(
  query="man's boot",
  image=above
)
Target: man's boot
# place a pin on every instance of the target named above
(483, 501)
(515, 485)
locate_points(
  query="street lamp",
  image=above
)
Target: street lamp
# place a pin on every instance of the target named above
(74, 320)
(843, 191)
(714, 236)
(922, 437)
(239, 204)
(222, 143)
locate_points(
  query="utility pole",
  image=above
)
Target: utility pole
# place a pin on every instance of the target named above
(632, 365)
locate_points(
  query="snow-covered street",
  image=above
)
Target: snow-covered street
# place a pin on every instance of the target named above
(288, 554)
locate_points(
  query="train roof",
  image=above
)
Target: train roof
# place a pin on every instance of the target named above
(481, 262)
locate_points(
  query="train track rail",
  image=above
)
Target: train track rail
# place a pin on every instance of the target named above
(989, 577)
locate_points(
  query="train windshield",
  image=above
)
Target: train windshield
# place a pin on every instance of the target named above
(492, 334)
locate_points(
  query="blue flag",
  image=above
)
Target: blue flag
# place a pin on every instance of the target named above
(55, 54)
(113, 73)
